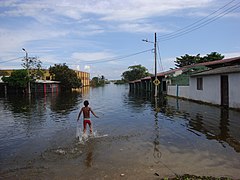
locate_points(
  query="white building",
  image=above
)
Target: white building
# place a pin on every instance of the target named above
(219, 86)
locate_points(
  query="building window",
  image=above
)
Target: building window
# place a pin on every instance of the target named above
(199, 84)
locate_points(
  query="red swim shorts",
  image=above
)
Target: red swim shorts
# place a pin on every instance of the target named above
(85, 122)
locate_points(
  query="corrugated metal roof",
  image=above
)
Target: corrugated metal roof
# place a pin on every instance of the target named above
(221, 70)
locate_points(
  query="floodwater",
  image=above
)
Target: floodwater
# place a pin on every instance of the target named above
(142, 138)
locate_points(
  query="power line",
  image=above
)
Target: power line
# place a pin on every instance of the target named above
(200, 23)
(96, 61)
(113, 59)
(160, 59)
(11, 60)
(192, 28)
(169, 34)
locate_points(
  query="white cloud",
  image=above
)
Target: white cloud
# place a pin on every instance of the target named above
(109, 72)
(140, 9)
(106, 10)
(168, 63)
(87, 67)
(94, 56)
(66, 30)
(89, 14)
(231, 54)
(140, 27)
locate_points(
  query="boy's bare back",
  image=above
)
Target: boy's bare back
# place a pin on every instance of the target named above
(86, 112)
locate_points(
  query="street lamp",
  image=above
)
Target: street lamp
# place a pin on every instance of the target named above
(26, 58)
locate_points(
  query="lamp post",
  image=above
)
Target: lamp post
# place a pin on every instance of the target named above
(26, 58)
(156, 81)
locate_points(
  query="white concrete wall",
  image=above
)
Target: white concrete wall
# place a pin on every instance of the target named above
(171, 90)
(183, 91)
(234, 90)
(211, 92)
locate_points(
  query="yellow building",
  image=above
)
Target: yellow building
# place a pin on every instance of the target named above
(84, 76)
(46, 75)
(6, 72)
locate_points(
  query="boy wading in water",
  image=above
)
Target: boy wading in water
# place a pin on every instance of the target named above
(86, 116)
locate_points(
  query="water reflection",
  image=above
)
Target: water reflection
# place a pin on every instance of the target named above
(156, 143)
(216, 123)
(162, 132)
(18, 104)
(65, 103)
(89, 155)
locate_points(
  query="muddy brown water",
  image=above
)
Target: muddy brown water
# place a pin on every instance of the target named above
(146, 139)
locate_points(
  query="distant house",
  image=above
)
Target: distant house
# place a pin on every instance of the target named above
(217, 86)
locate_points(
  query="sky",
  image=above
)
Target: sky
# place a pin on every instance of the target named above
(105, 37)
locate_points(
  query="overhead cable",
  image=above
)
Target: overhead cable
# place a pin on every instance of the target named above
(160, 59)
(113, 59)
(200, 23)
(10, 60)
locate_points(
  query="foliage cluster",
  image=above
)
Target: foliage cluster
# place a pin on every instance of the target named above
(189, 60)
(18, 79)
(67, 77)
(34, 66)
(135, 72)
(98, 81)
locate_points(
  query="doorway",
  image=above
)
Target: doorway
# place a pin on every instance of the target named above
(224, 91)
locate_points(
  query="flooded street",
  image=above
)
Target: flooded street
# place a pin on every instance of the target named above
(146, 140)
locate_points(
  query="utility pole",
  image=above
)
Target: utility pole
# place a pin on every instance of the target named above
(29, 88)
(155, 59)
(156, 82)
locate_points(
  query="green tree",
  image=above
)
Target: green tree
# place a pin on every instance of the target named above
(189, 60)
(34, 65)
(67, 77)
(18, 79)
(135, 72)
(96, 81)
(213, 56)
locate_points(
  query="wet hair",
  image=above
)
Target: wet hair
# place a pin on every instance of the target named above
(86, 103)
